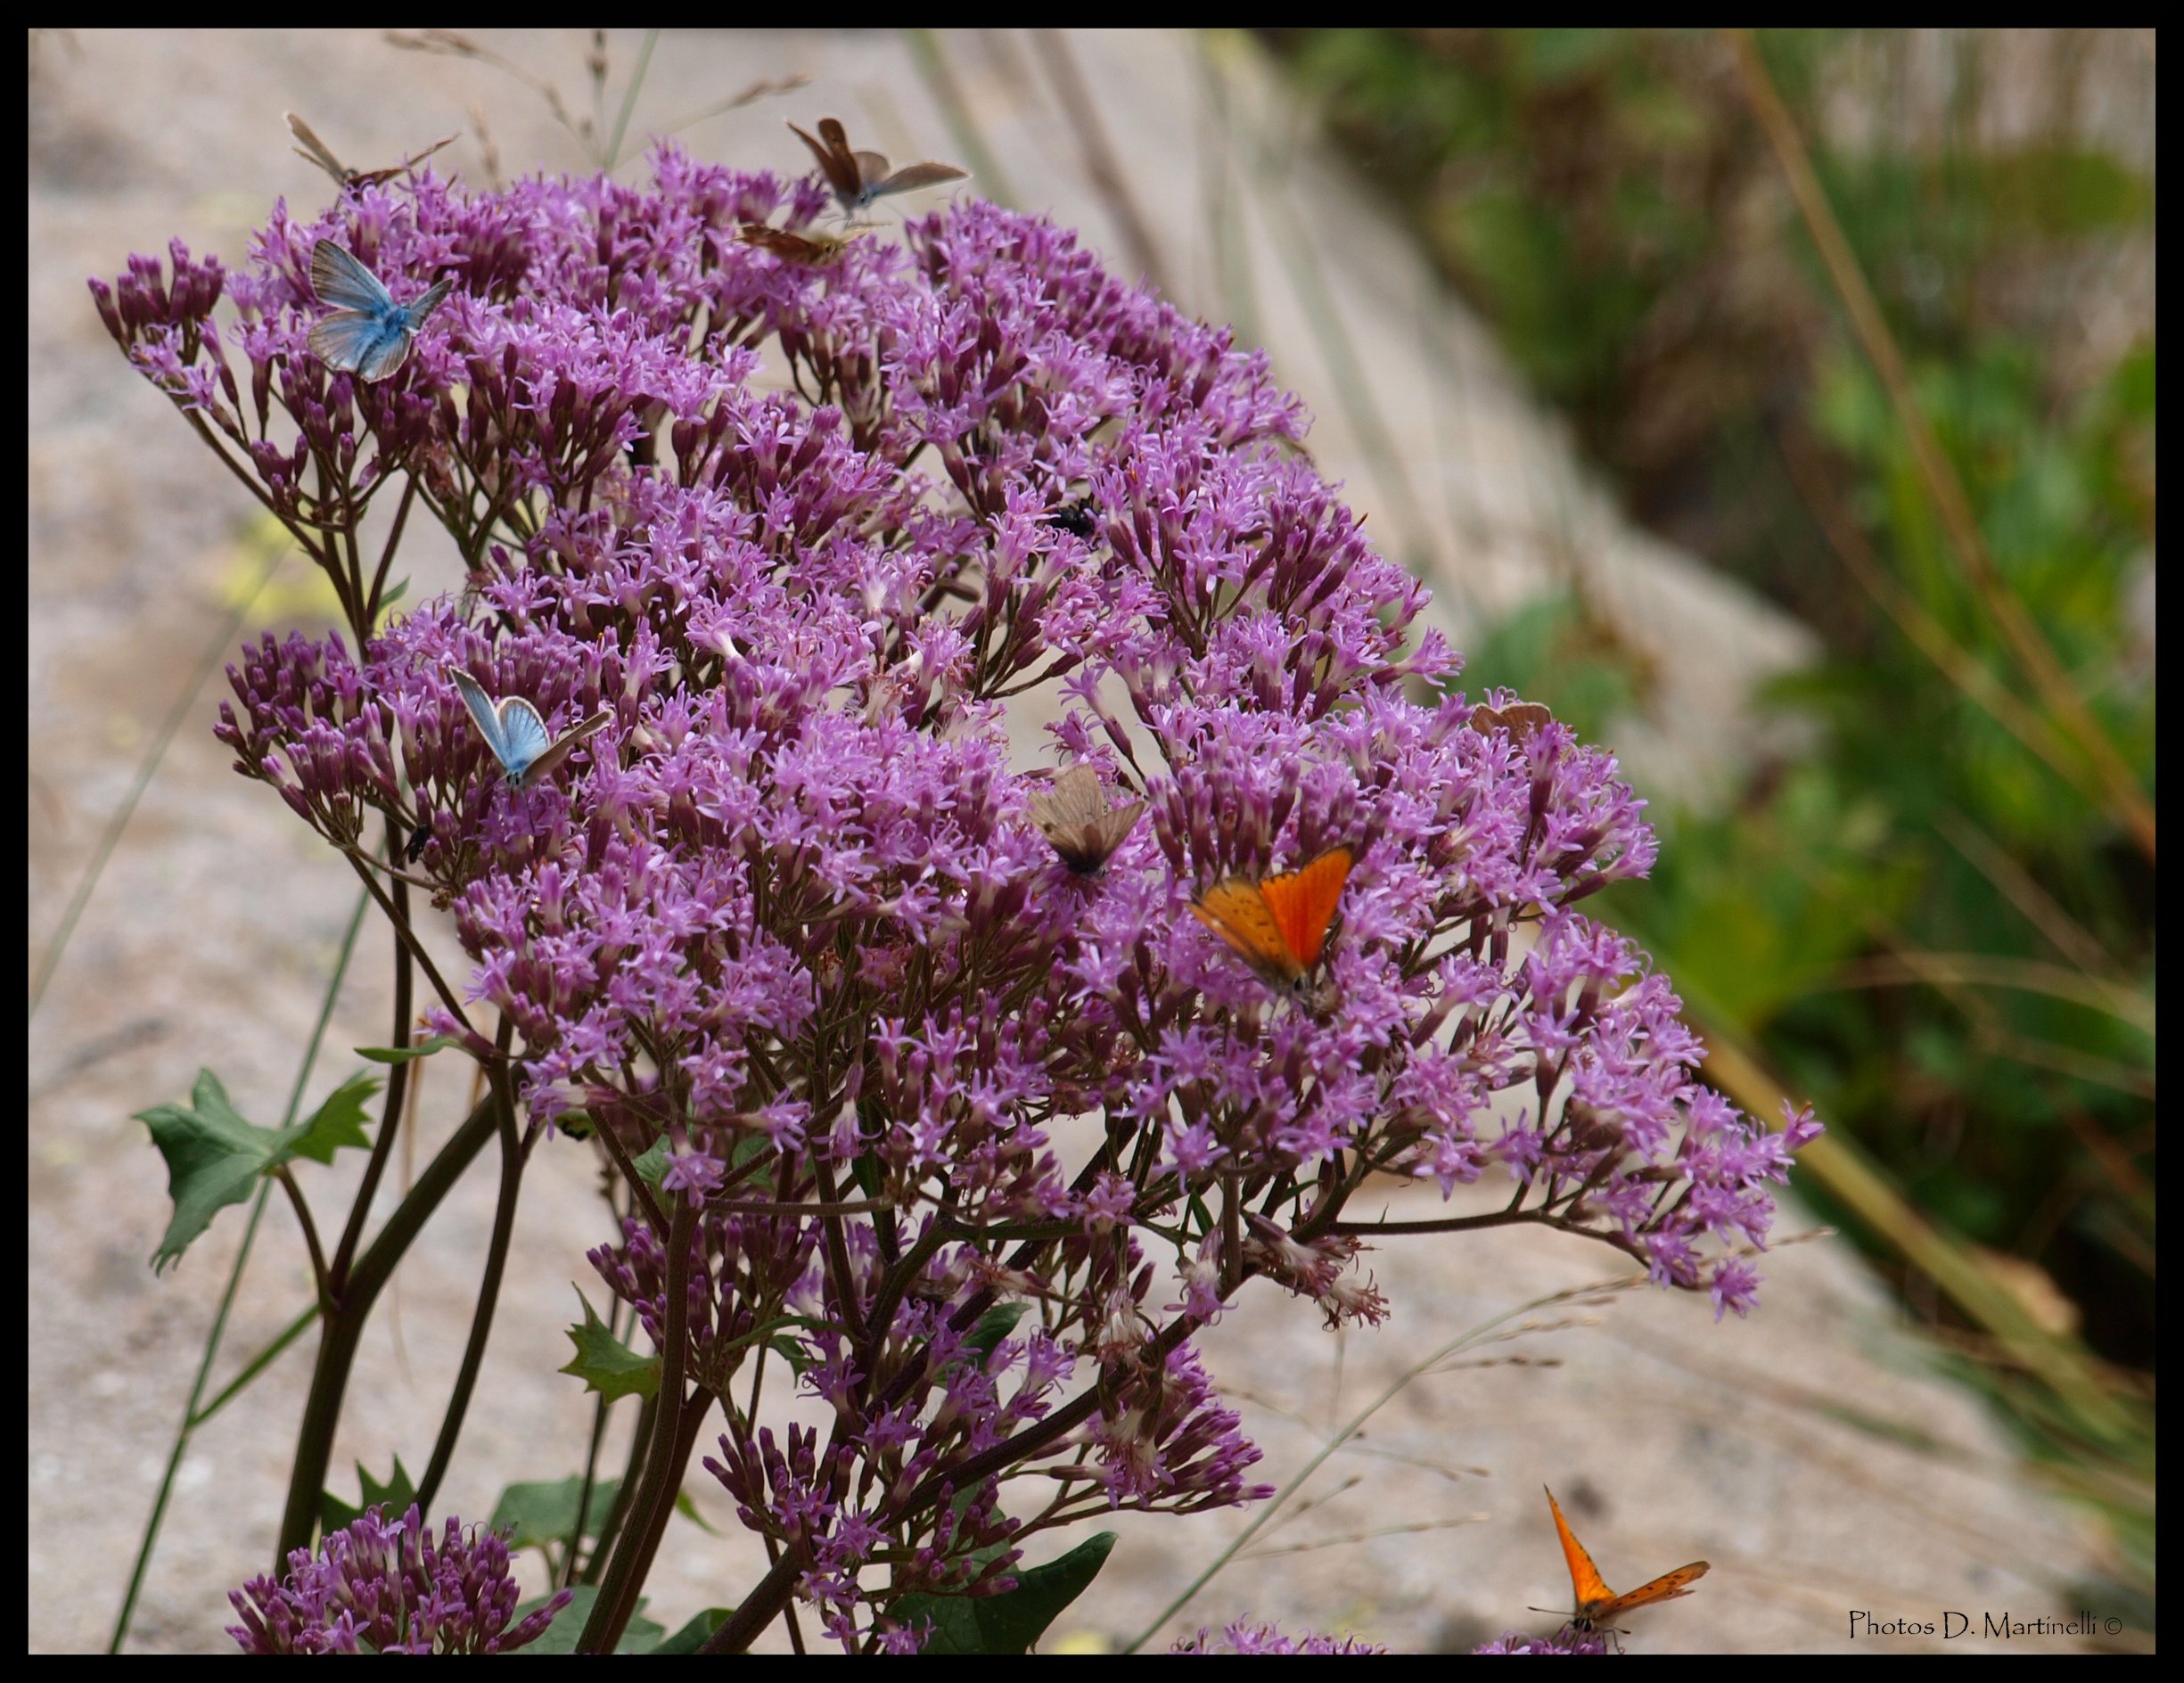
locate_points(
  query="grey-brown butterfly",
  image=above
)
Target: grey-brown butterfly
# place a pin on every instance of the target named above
(812, 249)
(1079, 824)
(859, 177)
(317, 152)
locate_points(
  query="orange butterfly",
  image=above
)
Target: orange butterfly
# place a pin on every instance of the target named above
(1598, 1606)
(1277, 924)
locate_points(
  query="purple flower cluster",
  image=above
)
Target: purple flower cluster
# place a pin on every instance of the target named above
(1569, 1640)
(382, 1586)
(799, 530)
(1242, 1637)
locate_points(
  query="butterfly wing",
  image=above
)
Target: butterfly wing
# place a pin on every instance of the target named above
(1237, 912)
(1588, 1590)
(836, 162)
(315, 151)
(523, 738)
(544, 767)
(351, 341)
(909, 178)
(1519, 718)
(1114, 826)
(792, 248)
(1302, 903)
(483, 712)
(1075, 800)
(385, 354)
(340, 280)
(420, 308)
(1076, 820)
(1667, 1586)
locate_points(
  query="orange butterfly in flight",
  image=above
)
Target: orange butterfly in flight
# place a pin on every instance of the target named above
(1598, 1606)
(1277, 924)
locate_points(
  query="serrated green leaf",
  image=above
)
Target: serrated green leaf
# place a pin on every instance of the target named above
(546, 1513)
(692, 1636)
(406, 1054)
(214, 1157)
(336, 1123)
(395, 1495)
(1011, 1622)
(605, 1364)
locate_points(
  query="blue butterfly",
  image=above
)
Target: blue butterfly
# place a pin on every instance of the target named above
(368, 333)
(517, 735)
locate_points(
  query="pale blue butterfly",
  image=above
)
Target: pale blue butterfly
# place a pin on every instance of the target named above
(517, 735)
(367, 333)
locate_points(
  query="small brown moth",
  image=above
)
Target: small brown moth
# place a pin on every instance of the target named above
(317, 152)
(811, 248)
(1077, 822)
(1519, 718)
(859, 177)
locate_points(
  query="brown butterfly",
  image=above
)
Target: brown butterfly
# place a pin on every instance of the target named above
(813, 249)
(859, 177)
(1519, 718)
(1277, 924)
(317, 152)
(1078, 823)
(1598, 1606)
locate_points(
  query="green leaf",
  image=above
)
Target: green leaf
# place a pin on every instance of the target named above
(641, 1637)
(688, 1639)
(791, 1352)
(545, 1512)
(688, 1509)
(605, 1364)
(405, 1053)
(996, 1325)
(1011, 1622)
(653, 1166)
(214, 1157)
(336, 1123)
(396, 1495)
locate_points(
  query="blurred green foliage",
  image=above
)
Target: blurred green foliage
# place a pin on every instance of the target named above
(1943, 942)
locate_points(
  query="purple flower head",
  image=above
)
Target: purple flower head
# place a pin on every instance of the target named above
(384, 1586)
(1569, 1640)
(1243, 1637)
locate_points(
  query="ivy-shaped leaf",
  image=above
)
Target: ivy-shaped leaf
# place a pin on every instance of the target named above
(1011, 1622)
(395, 1495)
(214, 1157)
(336, 1123)
(605, 1364)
